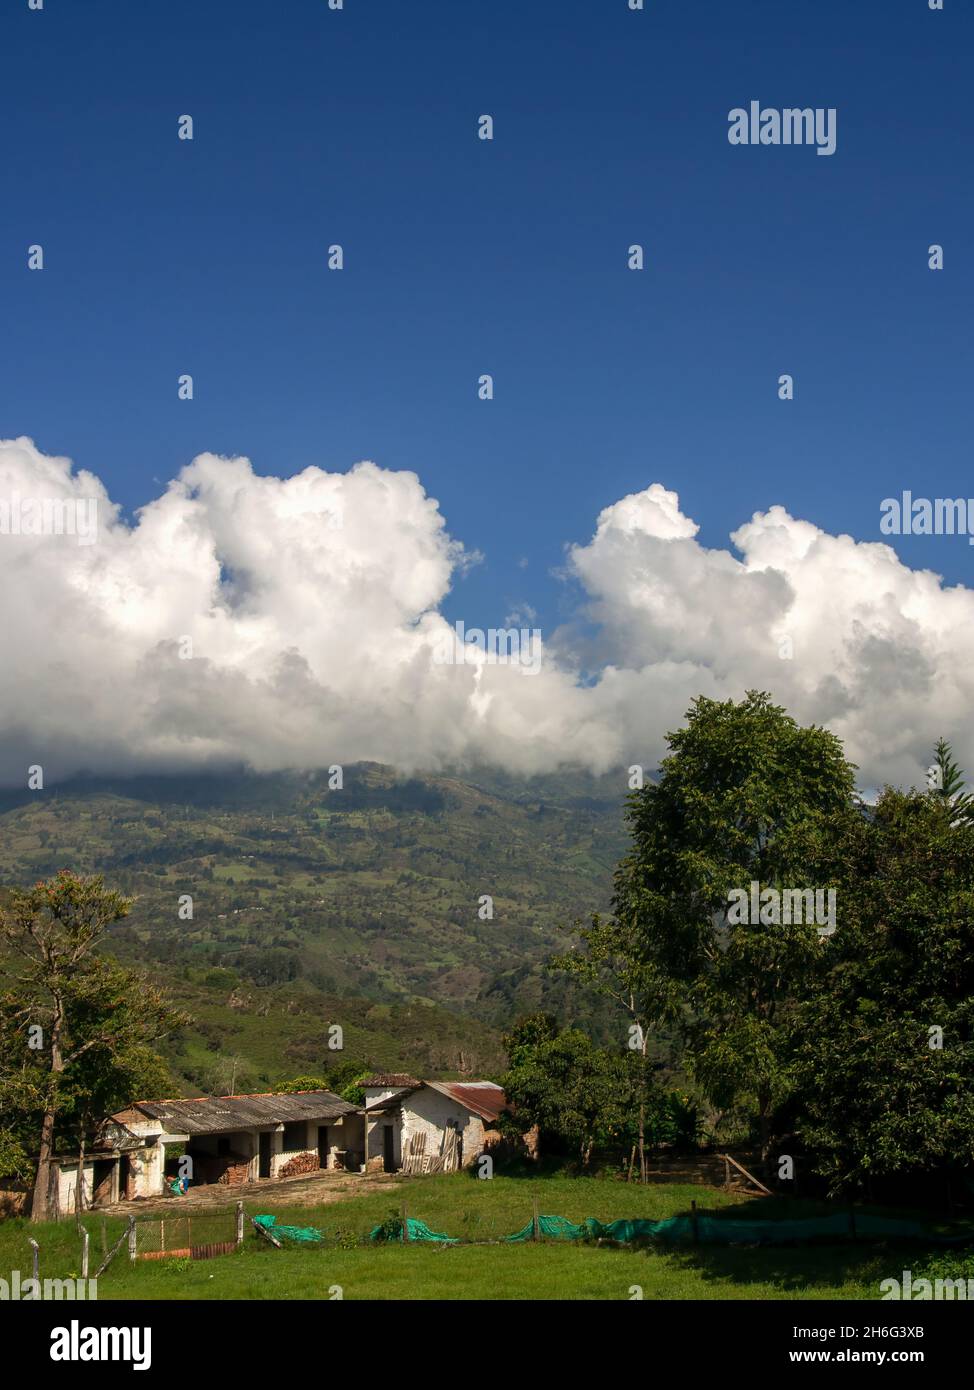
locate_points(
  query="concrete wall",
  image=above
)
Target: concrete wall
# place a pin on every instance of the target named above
(373, 1093)
(340, 1137)
(343, 1134)
(428, 1111)
(111, 1174)
(378, 1123)
(147, 1167)
(68, 1184)
(306, 1139)
(352, 1140)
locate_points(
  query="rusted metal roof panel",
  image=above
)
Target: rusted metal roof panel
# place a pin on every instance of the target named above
(482, 1097)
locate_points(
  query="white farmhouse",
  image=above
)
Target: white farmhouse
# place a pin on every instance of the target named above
(229, 1139)
(406, 1125)
(428, 1126)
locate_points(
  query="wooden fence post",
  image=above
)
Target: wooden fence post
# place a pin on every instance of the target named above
(240, 1223)
(263, 1231)
(405, 1223)
(84, 1252)
(535, 1221)
(132, 1238)
(109, 1256)
(35, 1257)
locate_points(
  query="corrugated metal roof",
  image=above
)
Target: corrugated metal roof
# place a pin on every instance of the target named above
(482, 1097)
(218, 1114)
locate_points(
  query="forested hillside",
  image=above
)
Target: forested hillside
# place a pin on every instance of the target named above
(360, 906)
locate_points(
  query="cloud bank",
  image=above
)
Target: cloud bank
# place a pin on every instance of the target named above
(295, 623)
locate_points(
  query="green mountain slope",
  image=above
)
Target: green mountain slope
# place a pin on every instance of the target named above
(359, 906)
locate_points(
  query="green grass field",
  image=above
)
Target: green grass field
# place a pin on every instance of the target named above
(476, 1211)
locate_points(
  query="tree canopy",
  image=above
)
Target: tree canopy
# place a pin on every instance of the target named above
(76, 1028)
(846, 1038)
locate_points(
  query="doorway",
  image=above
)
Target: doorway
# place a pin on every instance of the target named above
(322, 1146)
(388, 1149)
(264, 1154)
(129, 1178)
(103, 1181)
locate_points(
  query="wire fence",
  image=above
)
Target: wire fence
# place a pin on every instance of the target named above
(197, 1236)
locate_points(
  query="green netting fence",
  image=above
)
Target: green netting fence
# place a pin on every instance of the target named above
(703, 1230)
(415, 1230)
(298, 1235)
(708, 1230)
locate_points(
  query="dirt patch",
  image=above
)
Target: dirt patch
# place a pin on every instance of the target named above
(271, 1192)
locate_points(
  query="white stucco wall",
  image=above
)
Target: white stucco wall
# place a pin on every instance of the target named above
(430, 1112)
(67, 1186)
(377, 1123)
(338, 1138)
(148, 1169)
(148, 1164)
(305, 1142)
(372, 1093)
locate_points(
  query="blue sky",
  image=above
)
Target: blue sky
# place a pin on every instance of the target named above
(509, 257)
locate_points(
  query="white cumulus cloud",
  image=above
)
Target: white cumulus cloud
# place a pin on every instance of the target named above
(311, 608)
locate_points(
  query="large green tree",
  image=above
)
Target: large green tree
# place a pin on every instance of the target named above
(579, 1095)
(746, 796)
(76, 1028)
(884, 1048)
(120, 1014)
(608, 958)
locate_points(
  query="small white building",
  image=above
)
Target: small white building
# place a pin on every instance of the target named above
(411, 1126)
(103, 1169)
(240, 1139)
(428, 1126)
(229, 1139)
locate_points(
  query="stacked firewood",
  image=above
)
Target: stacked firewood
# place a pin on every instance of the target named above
(300, 1163)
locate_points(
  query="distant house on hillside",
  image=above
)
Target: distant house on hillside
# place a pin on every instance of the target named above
(428, 1126)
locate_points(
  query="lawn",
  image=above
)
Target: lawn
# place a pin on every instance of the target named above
(475, 1210)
